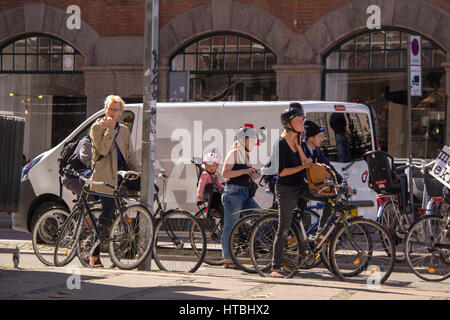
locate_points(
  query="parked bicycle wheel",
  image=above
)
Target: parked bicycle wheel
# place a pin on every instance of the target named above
(131, 237)
(213, 229)
(261, 246)
(389, 220)
(67, 241)
(86, 240)
(362, 250)
(239, 244)
(180, 242)
(45, 233)
(428, 240)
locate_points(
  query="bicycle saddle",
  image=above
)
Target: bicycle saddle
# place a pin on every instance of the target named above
(128, 175)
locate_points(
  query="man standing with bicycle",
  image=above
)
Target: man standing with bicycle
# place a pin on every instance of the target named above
(112, 151)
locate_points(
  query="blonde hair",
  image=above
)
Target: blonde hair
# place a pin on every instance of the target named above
(112, 99)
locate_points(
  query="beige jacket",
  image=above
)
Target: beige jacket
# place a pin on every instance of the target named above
(102, 145)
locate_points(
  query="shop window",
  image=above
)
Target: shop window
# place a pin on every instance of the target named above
(227, 66)
(371, 67)
(38, 53)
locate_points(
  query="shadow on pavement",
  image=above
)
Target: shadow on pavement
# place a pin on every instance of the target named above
(45, 285)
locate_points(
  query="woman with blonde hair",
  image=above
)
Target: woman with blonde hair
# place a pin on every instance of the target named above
(237, 196)
(112, 151)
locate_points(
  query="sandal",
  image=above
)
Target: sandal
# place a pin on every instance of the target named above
(279, 274)
(230, 265)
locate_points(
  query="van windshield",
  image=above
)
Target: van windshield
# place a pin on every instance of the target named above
(347, 136)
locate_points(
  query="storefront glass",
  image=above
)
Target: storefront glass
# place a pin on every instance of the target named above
(371, 68)
(227, 67)
(41, 80)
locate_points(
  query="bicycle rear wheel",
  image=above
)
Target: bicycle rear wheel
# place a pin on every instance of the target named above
(67, 241)
(131, 237)
(180, 242)
(428, 240)
(362, 250)
(261, 246)
(45, 233)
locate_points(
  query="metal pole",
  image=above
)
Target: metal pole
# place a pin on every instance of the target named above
(149, 107)
(410, 169)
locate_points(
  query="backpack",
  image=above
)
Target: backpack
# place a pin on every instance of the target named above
(317, 175)
(67, 151)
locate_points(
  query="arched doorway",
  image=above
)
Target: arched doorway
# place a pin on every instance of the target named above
(41, 80)
(224, 66)
(371, 67)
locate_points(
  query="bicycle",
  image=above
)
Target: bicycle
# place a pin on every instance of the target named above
(356, 244)
(239, 237)
(427, 247)
(394, 214)
(130, 238)
(212, 224)
(180, 240)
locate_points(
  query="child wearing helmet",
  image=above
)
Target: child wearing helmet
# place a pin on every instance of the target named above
(210, 177)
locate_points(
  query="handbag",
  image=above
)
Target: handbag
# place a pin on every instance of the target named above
(252, 187)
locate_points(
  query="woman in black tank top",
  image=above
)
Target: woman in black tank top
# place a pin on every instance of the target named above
(237, 171)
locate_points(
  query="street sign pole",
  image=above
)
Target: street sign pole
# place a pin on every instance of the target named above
(150, 95)
(414, 88)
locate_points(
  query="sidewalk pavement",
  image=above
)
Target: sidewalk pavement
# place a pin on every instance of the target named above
(208, 283)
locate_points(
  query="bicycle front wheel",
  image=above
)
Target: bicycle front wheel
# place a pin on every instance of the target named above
(239, 244)
(180, 242)
(261, 242)
(85, 243)
(131, 237)
(45, 233)
(362, 250)
(388, 218)
(67, 241)
(213, 229)
(428, 241)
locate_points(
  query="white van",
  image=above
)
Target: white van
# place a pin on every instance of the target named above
(189, 130)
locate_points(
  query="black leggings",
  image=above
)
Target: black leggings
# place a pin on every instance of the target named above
(287, 201)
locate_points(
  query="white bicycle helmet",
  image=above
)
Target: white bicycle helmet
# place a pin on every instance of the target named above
(210, 157)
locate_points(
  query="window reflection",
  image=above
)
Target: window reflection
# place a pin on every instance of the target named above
(39, 53)
(227, 67)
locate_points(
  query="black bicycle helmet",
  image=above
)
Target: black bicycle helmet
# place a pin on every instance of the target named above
(290, 114)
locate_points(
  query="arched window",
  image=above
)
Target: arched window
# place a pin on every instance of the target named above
(38, 53)
(380, 51)
(371, 66)
(227, 66)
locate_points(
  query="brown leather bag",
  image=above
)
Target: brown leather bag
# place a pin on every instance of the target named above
(318, 174)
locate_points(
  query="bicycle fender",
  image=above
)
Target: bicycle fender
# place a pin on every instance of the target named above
(381, 209)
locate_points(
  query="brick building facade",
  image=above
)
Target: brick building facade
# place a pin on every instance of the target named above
(301, 34)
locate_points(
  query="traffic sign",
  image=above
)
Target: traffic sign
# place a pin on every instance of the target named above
(416, 81)
(415, 50)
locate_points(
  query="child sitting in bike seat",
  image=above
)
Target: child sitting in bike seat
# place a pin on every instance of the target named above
(209, 178)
